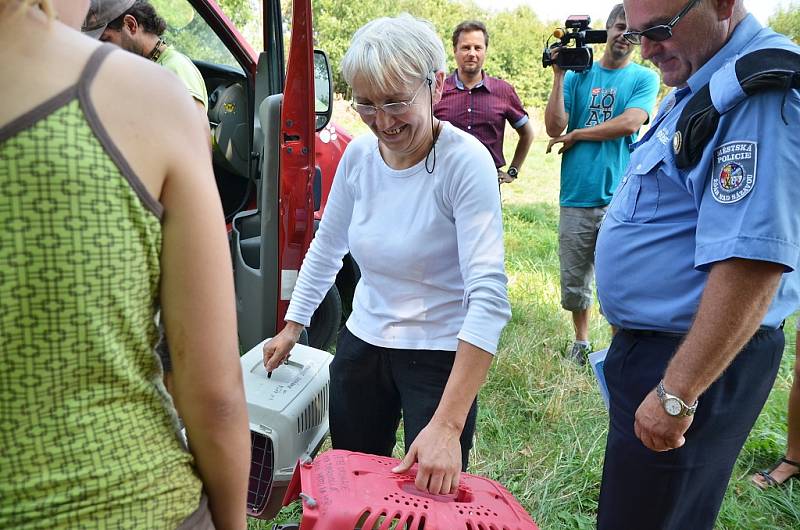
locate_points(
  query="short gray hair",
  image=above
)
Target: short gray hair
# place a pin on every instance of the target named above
(618, 11)
(391, 51)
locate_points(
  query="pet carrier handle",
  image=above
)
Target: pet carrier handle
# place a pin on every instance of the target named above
(462, 494)
(308, 499)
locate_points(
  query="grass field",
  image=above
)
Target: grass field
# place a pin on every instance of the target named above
(542, 424)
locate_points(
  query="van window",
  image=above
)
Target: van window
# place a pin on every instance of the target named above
(191, 35)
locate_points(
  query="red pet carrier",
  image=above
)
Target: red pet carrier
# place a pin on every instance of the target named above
(342, 490)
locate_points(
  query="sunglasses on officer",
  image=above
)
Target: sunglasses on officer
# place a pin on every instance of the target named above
(661, 32)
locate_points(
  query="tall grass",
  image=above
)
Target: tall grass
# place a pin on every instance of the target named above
(542, 424)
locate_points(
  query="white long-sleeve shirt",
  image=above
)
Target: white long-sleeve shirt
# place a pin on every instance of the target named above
(429, 246)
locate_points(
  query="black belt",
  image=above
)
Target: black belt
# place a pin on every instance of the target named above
(677, 335)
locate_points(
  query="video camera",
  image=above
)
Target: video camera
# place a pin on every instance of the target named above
(579, 57)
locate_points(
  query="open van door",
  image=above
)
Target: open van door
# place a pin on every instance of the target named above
(269, 242)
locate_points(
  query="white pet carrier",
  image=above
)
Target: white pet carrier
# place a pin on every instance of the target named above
(288, 416)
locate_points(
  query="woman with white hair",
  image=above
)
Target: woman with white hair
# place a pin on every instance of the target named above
(416, 204)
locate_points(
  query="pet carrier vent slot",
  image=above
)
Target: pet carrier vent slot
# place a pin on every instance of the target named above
(315, 413)
(363, 519)
(262, 464)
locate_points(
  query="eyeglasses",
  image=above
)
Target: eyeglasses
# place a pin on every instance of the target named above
(392, 109)
(660, 32)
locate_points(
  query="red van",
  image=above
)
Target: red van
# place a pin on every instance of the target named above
(274, 152)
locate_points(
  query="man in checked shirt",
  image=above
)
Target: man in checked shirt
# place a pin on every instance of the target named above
(480, 104)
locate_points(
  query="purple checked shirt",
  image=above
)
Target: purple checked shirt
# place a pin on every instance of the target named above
(482, 111)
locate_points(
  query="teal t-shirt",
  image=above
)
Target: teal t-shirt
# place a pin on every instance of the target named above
(590, 171)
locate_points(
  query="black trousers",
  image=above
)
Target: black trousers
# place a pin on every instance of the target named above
(682, 488)
(371, 387)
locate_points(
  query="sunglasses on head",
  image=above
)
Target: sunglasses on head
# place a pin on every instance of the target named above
(661, 32)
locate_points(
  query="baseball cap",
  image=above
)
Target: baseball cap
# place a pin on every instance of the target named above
(101, 12)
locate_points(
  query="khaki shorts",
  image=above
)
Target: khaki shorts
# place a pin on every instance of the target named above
(577, 236)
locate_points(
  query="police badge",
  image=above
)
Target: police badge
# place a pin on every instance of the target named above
(734, 173)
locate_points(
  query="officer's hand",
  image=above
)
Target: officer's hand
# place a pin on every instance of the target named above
(504, 178)
(656, 429)
(567, 141)
(438, 450)
(276, 350)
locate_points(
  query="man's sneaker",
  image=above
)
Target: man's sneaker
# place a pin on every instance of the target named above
(579, 352)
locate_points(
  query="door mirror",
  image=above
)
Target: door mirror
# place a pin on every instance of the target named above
(323, 89)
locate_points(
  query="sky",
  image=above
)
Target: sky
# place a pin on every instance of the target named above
(599, 9)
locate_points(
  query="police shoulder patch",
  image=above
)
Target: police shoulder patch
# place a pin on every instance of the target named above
(734, 171)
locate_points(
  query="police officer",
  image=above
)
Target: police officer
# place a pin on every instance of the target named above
(695, 269)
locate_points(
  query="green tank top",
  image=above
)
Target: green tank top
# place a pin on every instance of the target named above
(88, 434)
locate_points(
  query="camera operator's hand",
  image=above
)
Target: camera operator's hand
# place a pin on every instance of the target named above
(558, 72)
(567, 141)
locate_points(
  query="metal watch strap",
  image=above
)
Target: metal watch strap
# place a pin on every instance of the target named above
(663, 395)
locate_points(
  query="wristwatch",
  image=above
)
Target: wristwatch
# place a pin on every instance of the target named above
(512, 172)
(673, 405)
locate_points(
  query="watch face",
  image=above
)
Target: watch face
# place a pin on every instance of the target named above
(672, 406)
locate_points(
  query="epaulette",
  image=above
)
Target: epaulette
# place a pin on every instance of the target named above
(767, 69)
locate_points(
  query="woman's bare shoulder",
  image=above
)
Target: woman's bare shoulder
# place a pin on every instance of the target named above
(148, 113)
(151, 92)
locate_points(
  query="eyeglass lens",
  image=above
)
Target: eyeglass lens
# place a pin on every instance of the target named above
(656, 33)
(394, 109)
(661, 32)
(389, 108)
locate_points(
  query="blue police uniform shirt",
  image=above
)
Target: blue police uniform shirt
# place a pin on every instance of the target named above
(590, 171)
(665, 228)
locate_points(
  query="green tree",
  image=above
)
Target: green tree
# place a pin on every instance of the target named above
(191, 35)
(240, 11)
(335, 21)
(787, 21)
(517, 39)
